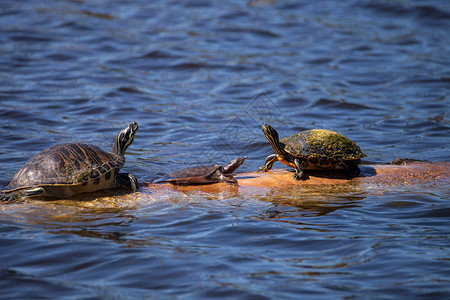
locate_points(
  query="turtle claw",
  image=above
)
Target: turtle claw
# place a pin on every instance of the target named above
(228, 178)
(300, 176)
(262, 169)
(270, 160)
(133, 182)
(128, 180)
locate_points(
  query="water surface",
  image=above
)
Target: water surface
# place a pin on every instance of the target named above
(201, 78)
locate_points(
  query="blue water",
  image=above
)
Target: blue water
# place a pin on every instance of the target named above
(200, 78)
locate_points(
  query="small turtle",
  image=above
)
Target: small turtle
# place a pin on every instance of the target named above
(64, 170)
(316, 149)
(204, 174)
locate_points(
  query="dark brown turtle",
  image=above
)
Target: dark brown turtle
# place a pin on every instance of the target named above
(68, 169)
(316, 149)
(204, 174)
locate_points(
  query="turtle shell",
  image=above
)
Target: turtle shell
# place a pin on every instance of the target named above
(68, 164)
(192, 175)
(322, 144)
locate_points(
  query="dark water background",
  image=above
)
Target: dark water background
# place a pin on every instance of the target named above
(200, 78)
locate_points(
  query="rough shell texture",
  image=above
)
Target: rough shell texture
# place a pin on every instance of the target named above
(71, 163)
(323, 144)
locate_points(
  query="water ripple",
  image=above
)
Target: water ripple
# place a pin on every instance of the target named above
(201, 78)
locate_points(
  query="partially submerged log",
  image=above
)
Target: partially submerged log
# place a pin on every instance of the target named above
(392, 174)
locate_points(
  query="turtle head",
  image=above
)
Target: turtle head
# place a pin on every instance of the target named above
(272, 136)
(234, 165)
(125, 138)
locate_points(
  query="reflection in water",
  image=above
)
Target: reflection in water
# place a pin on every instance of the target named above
(314, 200)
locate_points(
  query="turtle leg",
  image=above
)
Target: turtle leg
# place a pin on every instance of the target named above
(270, 160)
(7, 198)
(134, 182)
(129, 180)
(299, 174)
(228, 178)
(27, 193)
(351, 169)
